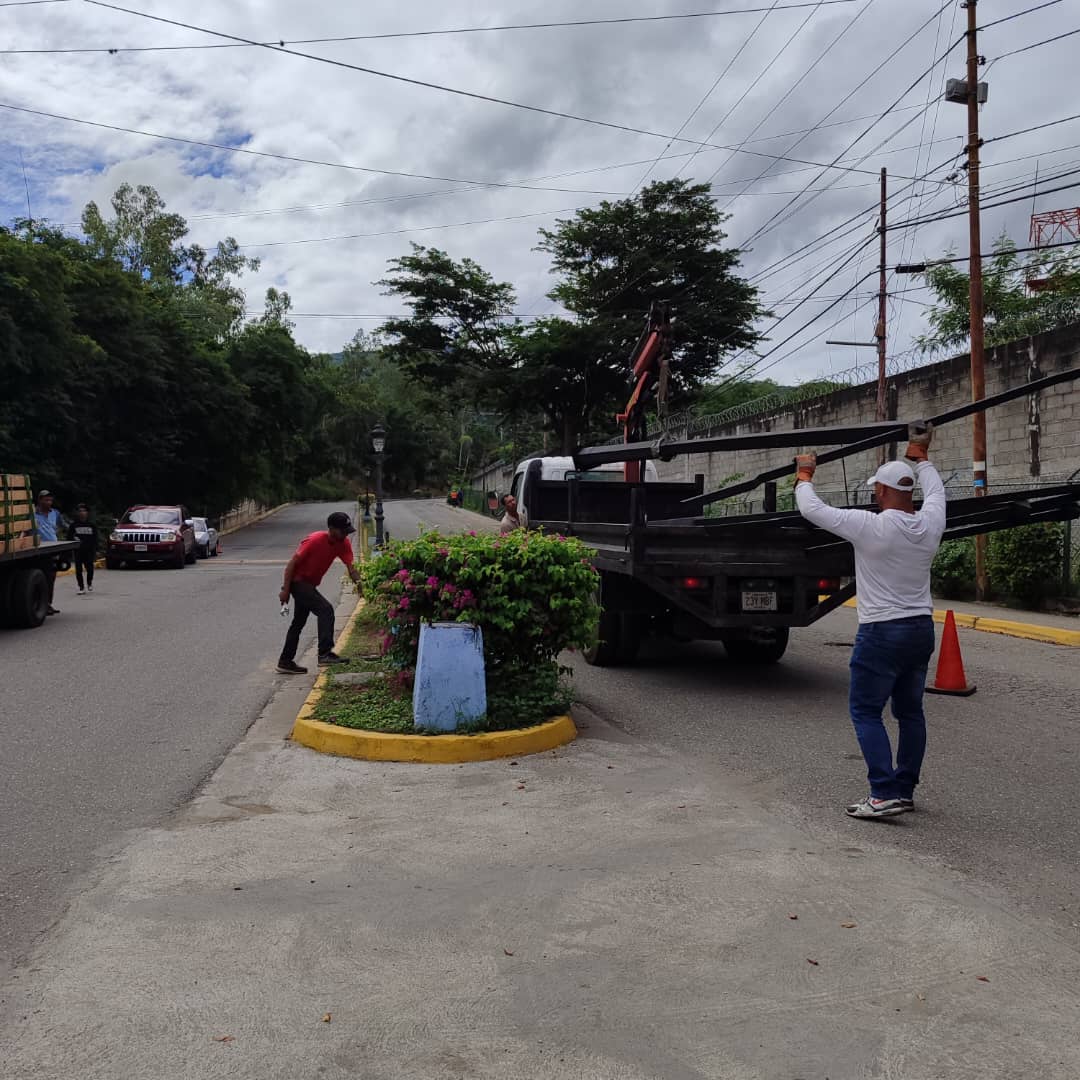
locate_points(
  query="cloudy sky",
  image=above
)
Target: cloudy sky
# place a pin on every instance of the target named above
(767, 91)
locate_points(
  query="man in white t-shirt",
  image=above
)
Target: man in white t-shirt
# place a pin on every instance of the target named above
(895, 640)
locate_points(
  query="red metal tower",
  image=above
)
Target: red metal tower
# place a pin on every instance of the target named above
(1052, 227)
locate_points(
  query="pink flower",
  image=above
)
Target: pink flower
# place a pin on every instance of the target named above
(402, 575)
(472, 532)
(432, 582)
(404, 604)
(444, 551)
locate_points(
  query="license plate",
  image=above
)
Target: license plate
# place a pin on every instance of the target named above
(759, 601)
(142, 547)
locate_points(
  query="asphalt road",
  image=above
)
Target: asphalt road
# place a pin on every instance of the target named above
(996, 801)
(115, 711)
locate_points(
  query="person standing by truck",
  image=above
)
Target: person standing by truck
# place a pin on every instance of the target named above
(49, 524)
(895, 641)
(85, 531)
(303, 575)
(512, 518)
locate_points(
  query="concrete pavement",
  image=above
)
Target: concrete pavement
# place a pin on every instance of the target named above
(115, 710)
(621, 908)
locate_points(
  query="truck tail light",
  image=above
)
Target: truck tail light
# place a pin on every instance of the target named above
(694, 584)
(828, 584)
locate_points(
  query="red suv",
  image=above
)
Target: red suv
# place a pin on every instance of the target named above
(152, 534)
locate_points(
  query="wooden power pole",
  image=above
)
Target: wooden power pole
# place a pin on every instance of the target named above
(978, 358)
(879, 332)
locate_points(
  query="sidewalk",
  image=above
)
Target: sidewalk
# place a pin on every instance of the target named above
(609, 910)
(1009, 614)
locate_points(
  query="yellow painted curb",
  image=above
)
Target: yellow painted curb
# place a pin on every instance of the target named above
(1048, 635)
(432, 749)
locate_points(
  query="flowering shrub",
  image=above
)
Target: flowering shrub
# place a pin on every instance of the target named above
(532, 595)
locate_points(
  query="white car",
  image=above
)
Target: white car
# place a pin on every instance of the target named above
(206, 538)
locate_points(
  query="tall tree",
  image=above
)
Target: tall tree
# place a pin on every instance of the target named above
(665, 243)
(1012, 310)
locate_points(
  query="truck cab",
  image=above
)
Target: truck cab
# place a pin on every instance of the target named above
(534, 471)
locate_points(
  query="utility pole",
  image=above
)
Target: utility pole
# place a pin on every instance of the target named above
(879, 332)
(978, 369)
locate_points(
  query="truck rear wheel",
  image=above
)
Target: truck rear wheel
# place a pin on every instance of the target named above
(619, 632)
(764, 645)
(606, 651)
(28, 600)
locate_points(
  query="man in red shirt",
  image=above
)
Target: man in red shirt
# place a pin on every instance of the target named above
(303, 576)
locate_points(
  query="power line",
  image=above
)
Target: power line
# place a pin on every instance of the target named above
(414, 228)
(1028, 130)
(986, 206)
(30, 3)
(708, 94)
(608, 124)
(279, 43)
(1018, 14)
(1036, 44)
(760, 231)
(294, 158)
(851, 93)
(790, 90)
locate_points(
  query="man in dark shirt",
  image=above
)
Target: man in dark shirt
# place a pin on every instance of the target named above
(303, 575)
(85, 531)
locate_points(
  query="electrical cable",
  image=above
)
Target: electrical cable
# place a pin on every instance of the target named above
(472, 95)
(1018, 14)
(851, 93)
(420, 33)
(746, 92)
(294, 158)
(412, 229)
(709, 93)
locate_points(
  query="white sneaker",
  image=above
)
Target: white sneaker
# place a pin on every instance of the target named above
(81, 592)
(89, 588)
(874, 808)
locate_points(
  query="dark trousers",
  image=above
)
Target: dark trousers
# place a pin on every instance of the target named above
(84, 560)
(50, 577)
(890, 661)
(308, 600)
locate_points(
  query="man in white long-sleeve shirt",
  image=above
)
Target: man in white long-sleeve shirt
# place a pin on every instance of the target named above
(895, 641)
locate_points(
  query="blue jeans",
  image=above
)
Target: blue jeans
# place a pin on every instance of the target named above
(890, 661)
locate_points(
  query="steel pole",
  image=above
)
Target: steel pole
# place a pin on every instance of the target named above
(975, 292)
(378, 501)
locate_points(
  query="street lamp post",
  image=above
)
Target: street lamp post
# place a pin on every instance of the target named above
(378, 444)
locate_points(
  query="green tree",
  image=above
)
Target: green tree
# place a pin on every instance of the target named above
(1012, 310)
(665, 243)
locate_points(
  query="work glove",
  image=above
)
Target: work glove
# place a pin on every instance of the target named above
(806, 464)
(919, 443)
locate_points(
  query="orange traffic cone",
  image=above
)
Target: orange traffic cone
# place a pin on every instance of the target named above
(950, 678)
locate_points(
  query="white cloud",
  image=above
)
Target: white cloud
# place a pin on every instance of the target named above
(647, 75)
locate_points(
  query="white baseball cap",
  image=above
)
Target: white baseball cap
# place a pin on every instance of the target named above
(895, 474)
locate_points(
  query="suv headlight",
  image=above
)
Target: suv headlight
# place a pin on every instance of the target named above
(167, 538)
(116, 537)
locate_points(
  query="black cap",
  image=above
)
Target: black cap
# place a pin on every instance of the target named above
(340, 521)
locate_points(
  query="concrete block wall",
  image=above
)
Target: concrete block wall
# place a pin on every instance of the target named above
(1032, 439)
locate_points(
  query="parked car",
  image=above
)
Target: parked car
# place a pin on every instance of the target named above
(206, 538)
(152, 534)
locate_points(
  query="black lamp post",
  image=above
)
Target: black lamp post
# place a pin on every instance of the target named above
(378, 444)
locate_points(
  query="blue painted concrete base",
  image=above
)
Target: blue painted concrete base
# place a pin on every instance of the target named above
(449, 690)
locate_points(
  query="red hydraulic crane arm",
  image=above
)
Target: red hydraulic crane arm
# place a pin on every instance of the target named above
(650, 362)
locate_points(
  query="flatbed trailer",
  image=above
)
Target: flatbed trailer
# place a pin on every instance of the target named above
(746, 580)
(25, 560)
(666, 567)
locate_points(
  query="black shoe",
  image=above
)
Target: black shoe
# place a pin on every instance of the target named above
(907, 804)
(332, 658)
(52, 610)
(290, 667)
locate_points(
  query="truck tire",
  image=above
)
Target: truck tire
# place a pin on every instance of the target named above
(7, 616)
(606, 651)
(29, 598)
(766, 645)
(629, 638)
